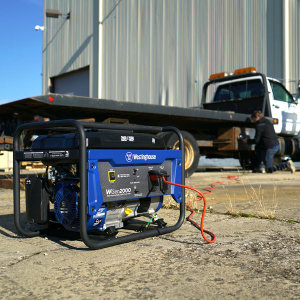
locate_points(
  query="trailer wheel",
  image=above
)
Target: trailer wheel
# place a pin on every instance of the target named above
(191, 149)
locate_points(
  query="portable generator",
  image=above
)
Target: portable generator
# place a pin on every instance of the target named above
(100, 178)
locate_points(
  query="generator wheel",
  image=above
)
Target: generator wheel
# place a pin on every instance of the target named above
(191, 150)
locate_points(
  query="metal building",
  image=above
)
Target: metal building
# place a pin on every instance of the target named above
(162, 51)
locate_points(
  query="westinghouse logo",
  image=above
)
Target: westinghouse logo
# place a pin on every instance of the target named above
(132, 156)
(128, 156)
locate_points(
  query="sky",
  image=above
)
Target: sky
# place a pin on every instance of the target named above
(20, 49)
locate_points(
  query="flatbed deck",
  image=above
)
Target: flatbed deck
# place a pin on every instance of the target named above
(76, 107)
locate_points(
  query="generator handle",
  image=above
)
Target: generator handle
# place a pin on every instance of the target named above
(90, 242)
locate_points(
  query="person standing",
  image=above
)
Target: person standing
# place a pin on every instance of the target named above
(267, 145)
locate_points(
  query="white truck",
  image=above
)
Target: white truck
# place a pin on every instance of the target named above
(246, 90)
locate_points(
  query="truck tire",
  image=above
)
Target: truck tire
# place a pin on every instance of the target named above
(247, 160)
(191, 148)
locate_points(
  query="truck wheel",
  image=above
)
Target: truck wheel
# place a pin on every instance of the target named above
(191, 150)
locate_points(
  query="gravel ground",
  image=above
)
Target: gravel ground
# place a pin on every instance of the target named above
(252, 258)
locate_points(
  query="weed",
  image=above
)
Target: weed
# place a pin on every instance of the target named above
(256, 201)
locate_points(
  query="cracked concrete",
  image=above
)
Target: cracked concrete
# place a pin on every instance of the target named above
(252, 258)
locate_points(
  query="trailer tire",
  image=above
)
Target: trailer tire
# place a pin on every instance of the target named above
(191, 148)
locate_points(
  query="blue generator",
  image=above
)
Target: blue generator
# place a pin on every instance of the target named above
(100, 179)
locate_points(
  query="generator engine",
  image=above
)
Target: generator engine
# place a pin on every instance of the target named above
(120, 183)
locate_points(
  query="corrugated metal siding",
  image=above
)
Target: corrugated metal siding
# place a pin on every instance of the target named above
(162, 52)
(294, 39)
(275, 49)
(69, 44)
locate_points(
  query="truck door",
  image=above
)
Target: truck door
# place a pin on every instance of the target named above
(284, 108)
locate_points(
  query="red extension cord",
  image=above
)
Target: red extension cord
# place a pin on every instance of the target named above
(200, 196)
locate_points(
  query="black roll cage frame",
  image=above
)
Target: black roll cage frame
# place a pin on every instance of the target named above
(79, 128)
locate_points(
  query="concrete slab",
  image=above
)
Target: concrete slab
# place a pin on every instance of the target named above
(252, 258)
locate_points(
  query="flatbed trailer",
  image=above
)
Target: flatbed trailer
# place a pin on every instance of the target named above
(62, 106)
(209, 132)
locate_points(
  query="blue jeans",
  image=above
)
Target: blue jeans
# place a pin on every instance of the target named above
(266, 156)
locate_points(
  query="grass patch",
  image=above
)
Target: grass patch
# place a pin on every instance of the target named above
(258, 204)
(255, 196)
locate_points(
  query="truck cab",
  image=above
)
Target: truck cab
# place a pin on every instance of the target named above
(246, 90)
(284, 108)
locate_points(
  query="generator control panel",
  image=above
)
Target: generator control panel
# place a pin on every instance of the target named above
(131, 182)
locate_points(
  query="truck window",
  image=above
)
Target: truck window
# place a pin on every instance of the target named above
(223, 94)
(280, 93)
(239, 90)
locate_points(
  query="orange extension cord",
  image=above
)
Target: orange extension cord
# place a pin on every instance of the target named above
(208, 190)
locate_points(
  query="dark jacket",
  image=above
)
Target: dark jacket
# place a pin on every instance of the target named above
(265, 136)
